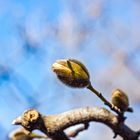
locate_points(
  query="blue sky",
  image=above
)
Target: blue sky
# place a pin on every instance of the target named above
(33, 34)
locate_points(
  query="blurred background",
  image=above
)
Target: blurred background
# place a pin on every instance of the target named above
(103, 34)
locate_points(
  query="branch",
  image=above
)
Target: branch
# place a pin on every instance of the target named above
(53, 126)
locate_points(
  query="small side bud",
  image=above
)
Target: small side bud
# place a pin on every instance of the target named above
(72, 73)
(23, 134)
(120, 100)
(20, 134)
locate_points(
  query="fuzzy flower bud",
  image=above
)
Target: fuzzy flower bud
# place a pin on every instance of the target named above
(120, 100)
(71, 72)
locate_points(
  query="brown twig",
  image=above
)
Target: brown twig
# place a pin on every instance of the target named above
(53, 126)
(106, 102)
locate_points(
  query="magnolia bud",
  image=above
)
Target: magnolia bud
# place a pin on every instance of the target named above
(71, 72)
(120, 100)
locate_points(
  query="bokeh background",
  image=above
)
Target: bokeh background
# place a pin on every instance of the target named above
(103, 34)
